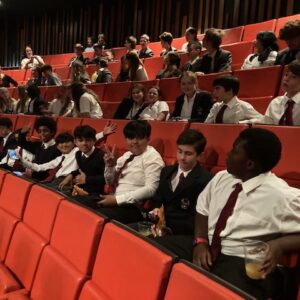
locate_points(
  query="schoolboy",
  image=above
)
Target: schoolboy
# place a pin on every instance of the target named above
(145, 52)
(134, 177)
(285, 110)
(194, 62)
(51, 78)
(229, 108)
(7, 138)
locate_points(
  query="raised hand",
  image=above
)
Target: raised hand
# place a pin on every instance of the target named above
(109, 128)
(109, 156)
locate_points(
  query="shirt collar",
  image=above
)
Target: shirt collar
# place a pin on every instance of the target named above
(232, 102)
(89, 153)
(295, 98)
(255, 182)
(195, 60)
(192, 99)
(185, 173)
(49, 144)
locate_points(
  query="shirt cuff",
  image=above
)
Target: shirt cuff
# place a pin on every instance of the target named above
(121, 199)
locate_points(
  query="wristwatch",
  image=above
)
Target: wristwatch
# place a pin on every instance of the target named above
(199, 240)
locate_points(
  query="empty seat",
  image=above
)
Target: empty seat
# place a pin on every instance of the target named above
(63, 72)
(114, 67)
(170, 88)
(29, 238)
(155, 47)
(51, 92)
(259, 82)
(65, 124)
(116, 91)
(17, 75)
(69, 258)
(205, 82)
(153, 65)
(217, 147)
(98, 88)
(288, 167)
(251, 30)
(233, 35)
(189, 282)
(127, 267)
(260, 103)
(118, 52)
(178, 42)
(109, 109)
(24, 120)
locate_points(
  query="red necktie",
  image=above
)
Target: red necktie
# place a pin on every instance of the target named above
(114, 184)
(287, 117)
(52, 172)
(219, 117)
(221, 223)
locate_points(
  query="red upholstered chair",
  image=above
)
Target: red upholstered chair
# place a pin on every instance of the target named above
(259, 82)
(288, 167)
(260, 103)
(2, 176)
(189, 282)
(116, 91)
(69, 258)
(281, 22)
(91, 69)
(62, 72)
(170, 88)
(153, 65)
(13, 118)
(217, 147)
(24, 120)
(149, 83)
(98, 124)
(178, 42)
(205, 82)
(233, 35)
(18, 75)
(109, 109)
(251, 30)
(114, 67)
(67, 124)
(29, 239)
(155, 47)
(118, 52)
(51, 92)
(127, 267)
(98, 88)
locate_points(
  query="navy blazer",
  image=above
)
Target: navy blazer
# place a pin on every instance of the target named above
(202, 104)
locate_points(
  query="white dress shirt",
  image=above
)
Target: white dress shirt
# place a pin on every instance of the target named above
(89, 104)
(236, 111)
(151, 112)
(69, 164)
(266, 208)
(140, 178)
(187, 107)
(56, 105)
(255, 63)
(276, 109)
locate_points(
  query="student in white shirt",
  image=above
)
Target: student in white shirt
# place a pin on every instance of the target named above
(266, 209)
(86, 101)
(133, 177)
(229, 108)
(29, 60)
(285, 110)
(155, 109)
(266, 51)
(62, 105)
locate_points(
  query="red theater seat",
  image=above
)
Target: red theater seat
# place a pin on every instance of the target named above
(170, 88)
(281, 22)
(116, 91)
(24, 120)
(98, 88)
(239, 52)
(125, 275)
(205, 82)
(251, 30)
(260, 103)
(63, 72)
(109, 109)
(233, 35)
(155, 47)
(148, 83)
(51, 92)
(114, 67)
(65, 124)
(118, 52)
(153, 65)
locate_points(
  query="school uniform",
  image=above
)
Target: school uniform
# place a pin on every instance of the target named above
(193, 66)
(125, 110)
(145, 53)
(36, 105)
(286, 56)
(8, 142)
(196, 109)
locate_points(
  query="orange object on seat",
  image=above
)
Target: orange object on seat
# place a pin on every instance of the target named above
(259, 82)
(217, 147)
(251, 30)
(116, 91)
(69, 258)
(127, 267)
(189, 282)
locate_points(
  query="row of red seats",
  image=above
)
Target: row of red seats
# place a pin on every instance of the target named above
(54, 249)
(164, 135)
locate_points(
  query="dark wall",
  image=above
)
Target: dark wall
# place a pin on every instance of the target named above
(52, 26)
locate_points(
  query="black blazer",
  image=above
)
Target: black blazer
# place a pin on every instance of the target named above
(202, 105)
(286, 56)
(125, 107)
(179, 215)
(145, 54)
(195, 67)
(223, 61)
(11, 143)
(93, 167)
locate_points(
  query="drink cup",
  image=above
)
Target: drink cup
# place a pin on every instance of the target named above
(144, 228)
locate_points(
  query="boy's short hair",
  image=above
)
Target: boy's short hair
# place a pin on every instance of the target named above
(193, 138)
(290, 30)
(228, 83)
(139, 129)
(6, 122)
(103, 63)
(85, 132)
(167, 37)
(78, 46)
(132, 41)
(196, 44)
(215, 36)
(145, 36)
(47, 122)
(64, 137)
(294, 67)
(46, 68)
(262, 146)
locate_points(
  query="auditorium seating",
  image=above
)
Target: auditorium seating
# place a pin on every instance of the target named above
(51, 93)
(24, 120)
(251, 30)
(170, 88)
(116, 91)
(63, 72)
(259, 103)
(65, 124)
(232, 35)
(98, 88)
(153, 65)
(118, 52)
(205, 82)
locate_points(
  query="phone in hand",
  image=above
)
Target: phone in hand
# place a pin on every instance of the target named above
(12, 154)
(18, 173)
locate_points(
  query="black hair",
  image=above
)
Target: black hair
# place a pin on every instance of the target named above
(290, 30)
(64, 137)
(228, 83)
(268, 40)
(139, 129)
(47, 122)
(262, 146)
(33, 91)
(174, 58)
(46, 67)
(6, 122)
(167, 37)
(103, 63)
(85, 132)
(193, 138)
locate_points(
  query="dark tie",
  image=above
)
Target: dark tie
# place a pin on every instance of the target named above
(219, 117)
(114, 184)
(52, 172)
(221, 223)
(1, 145)
(287, 117)
(181, 179)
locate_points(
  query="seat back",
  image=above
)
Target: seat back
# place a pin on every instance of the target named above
(98, 124)
(2, 176)
(260, 103)
(178, 42)
(98, 88)
(281, 22)
(63, 72)
(24, 120)
(233, 35)
(170, 88)
(239, 52)
(109, 109)
(155, 47)
(288, 167)
(123, 270)
(114, 67)
(193, 284)
(149, 84)
(205, 82)
(65, 124)
(51, 92)
(153, 65)
(118, 52)
(116, 91)
(217, 147)
(251, 30)
(259, 82)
